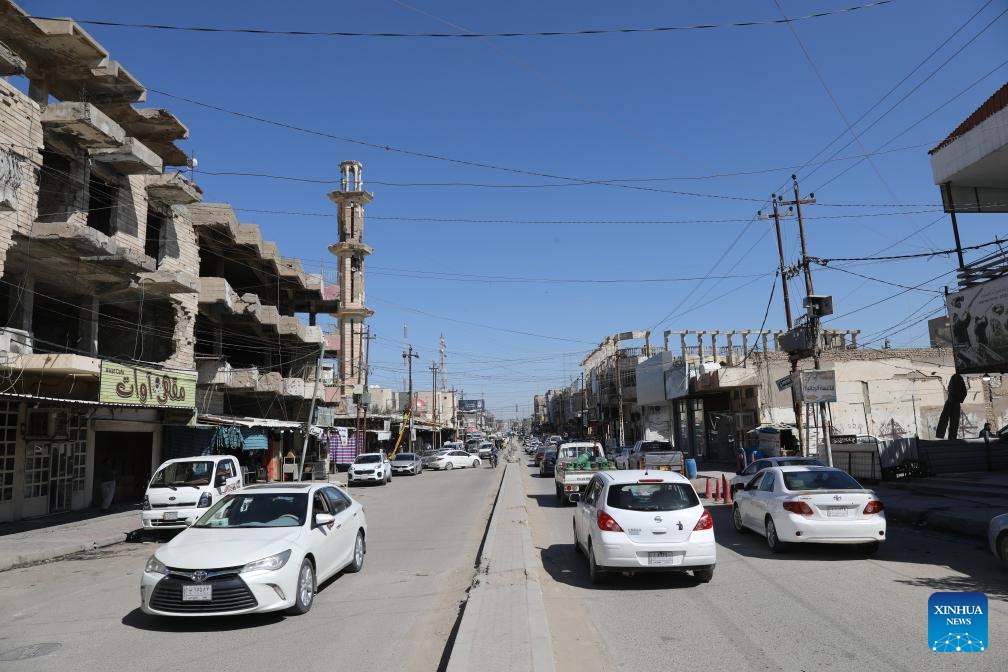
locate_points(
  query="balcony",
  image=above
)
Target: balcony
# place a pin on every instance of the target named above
(89, 127)
(132, 157)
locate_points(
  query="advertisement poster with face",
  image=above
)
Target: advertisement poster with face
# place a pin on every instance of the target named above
(979, 321)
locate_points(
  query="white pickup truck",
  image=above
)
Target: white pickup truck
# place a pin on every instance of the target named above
(570, 480)
(184, 488)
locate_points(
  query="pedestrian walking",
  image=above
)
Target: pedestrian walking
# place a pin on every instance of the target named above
(986, 432)
(107, 478)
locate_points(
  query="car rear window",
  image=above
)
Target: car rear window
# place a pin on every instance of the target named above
(652, 496)
(820, 480)
(655, 447)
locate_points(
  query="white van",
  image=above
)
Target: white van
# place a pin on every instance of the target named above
(186, 488)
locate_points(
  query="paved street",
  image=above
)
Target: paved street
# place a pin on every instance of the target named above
(396, 614)
(820, 609)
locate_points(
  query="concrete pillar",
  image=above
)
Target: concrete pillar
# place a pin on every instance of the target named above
(765, 348)
(218, 340)
(38, 90)
(713, 346)
(87, 326)
(853, 337)
(731, 350)
(682, 341)
(745, 341)
(699, 341)
(24, 297)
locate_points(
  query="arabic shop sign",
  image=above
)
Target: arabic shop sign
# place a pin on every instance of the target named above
(125, 384)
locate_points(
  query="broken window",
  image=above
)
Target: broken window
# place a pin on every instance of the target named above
(101, 204)
(154, 237)
(56, 188)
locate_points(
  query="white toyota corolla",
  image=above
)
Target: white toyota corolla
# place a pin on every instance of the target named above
(262, 548)
(813, 505)
(639, 521)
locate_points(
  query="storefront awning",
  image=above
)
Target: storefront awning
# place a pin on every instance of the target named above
(84, 403)
(236, 421)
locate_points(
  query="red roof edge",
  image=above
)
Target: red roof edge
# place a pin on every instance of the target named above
(992, 105)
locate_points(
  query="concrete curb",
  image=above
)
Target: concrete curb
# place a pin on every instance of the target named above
(58, 551)
(52, 543)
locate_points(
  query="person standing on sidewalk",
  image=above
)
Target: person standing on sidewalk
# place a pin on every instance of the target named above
(986, 432)
(107, 478)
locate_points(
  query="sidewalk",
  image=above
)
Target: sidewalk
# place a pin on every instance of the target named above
(38, 544)
(961, 504)
(504, 627)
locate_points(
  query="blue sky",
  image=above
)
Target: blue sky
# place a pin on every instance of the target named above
(515, 287)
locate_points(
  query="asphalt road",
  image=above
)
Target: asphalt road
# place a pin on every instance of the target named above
(810, 609)
(397, 614)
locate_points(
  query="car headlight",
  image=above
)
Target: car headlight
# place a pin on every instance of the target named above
(146, 503)
(270, 564)
(205, 500)
(155, 566)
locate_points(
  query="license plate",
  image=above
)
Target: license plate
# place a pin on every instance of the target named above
(657, 558)
(169, 515)
(836, 512)
(663, 467)
(200, 593)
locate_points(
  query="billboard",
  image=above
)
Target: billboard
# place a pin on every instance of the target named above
(468, 405)
(979, 319)
(157, 388)
(817, 386)
(677, 381)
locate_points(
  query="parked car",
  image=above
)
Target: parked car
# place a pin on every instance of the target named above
(744, 476)
(407, 463)
(810, 505)
(250, 552)
(454, 459)
(370, 468)
(997, 535)
(640, 521)
(657, 455)
(542, 448)
(453, 445)
(181, 490)
(547, 465)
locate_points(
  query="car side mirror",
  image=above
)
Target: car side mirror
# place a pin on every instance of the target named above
(324, 519)
(575, 496)
(220, 481)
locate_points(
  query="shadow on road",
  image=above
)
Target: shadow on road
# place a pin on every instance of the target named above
(566, 566)
(141, 621)
(547, 501)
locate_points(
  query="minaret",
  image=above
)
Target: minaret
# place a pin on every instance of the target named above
(350, 252)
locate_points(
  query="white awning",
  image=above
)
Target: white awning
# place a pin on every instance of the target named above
(235, 421)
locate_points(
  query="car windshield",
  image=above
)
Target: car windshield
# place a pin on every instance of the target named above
(184, 474)
(404, 457)
(549, 454)
(820, 480)
(655, 446)
(365, 459)
(802, 462)
(257, 510)
(652, 496)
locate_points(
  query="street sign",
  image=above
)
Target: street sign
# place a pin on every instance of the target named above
(817, 386)
(785, 382)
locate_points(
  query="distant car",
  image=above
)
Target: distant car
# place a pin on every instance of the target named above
(539, 454)
(262, 548)
(997, 535)
(547, 465)
(739, 480)
(454, 459)
(407, 463)
(484, 450)
(810, 505)
(370, 468)
(637, 521)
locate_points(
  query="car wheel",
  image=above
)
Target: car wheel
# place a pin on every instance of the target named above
(737, 520)
(704, 575)
(475, 463)
(596, 575)
(773, 541)
(359, 550)
(577, 546)
(304, 595)
(449, 465)
(1002, 547)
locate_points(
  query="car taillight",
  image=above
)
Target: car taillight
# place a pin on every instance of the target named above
(205, 500)
(798, 507)
(874, 506)
(146, 503)
(705, 522)
(606, 523)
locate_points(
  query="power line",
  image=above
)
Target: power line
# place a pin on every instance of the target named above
(920, 255)
(546, 33)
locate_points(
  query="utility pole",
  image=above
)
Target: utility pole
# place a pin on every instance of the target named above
(619, 398)
(775, 199)
(367, 367)
(409, 356)
(434, 413)
(813, 316)
(454, 415)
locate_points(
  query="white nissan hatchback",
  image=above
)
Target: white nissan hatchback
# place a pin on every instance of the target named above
(640, 521)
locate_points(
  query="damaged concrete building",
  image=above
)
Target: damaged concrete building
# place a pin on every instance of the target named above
(138, 322)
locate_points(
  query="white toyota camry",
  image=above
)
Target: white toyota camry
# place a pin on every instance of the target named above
(636, 521)
(262, 548)
(813, 505)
